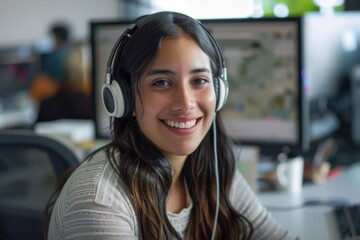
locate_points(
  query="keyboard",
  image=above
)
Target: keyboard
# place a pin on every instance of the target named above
(348, 221)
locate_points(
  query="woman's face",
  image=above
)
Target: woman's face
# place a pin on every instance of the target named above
(175, 103)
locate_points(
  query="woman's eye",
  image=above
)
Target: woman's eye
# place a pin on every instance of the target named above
(161, 83)
(200, 81)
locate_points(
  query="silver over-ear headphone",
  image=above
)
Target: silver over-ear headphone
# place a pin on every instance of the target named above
(115, 93)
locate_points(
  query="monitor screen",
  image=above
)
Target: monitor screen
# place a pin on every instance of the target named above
(263, 58)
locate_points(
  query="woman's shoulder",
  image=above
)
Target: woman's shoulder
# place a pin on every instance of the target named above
(95, 180)
(238, 180)
(94, 194)
(241, 190)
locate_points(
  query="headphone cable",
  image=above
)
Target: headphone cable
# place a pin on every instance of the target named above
(216, 179)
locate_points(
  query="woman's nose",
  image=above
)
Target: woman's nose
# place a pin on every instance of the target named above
(184, 99)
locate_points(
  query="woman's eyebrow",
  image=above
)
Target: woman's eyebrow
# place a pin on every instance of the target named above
(160, 71)
(201, 70)
(170, 72)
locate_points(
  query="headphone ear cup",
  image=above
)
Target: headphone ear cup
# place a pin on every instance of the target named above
(113, 99)
(222, 93)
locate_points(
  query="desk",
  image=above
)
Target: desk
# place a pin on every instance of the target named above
(315, 222)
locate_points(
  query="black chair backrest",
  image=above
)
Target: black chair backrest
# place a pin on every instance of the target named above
(30, 165)
(60, 155)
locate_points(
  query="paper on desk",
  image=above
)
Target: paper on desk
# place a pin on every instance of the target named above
(75, 130)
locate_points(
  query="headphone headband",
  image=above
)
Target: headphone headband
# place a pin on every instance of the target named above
(110, 64)
(115, 93)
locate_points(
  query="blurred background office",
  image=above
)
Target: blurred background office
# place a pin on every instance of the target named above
(42, 82)
(305, 100)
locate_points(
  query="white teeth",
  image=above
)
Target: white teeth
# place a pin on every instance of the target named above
(187, 124)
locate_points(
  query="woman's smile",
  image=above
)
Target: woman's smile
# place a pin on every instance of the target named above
(181, 124)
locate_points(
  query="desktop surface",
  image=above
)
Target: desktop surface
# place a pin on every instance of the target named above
(308, 214)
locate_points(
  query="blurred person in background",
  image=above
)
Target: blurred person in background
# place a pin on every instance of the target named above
(61, 89)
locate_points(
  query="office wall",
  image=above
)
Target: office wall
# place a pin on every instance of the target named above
(27, 21)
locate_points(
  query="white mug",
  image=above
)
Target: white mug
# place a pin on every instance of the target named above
(289, 175)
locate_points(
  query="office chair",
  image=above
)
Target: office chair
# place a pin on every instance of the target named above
(30, 165)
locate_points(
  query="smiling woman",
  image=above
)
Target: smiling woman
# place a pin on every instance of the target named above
(158, 179)
(178, 98)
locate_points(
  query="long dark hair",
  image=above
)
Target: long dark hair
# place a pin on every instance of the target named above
(142, 167)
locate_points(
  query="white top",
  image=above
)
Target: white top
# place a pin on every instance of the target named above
(93, 205)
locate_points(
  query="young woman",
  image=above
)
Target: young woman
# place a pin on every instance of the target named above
(164, 175)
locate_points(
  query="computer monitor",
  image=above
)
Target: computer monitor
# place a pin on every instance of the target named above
(18, 66)
(263, 59)
(331, 50)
